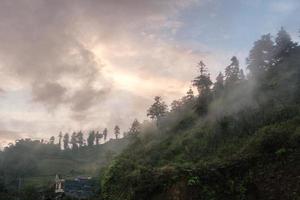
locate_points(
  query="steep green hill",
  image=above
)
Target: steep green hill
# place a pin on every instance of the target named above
(197, 163)
(242, 142)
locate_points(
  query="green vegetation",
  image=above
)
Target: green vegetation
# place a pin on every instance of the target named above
(31, 166)
(238, 139)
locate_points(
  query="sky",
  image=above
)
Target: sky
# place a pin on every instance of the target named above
(70, 65)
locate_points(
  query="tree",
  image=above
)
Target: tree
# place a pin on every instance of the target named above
(203, 83)
(158, 109)
(59, 139)
(51, 140)
(283, 45)
(91, 138)
(105, 134)
(117, 131)
(80, 138)
(188, 97)
(66, 141)
(219, 85)
(260, 56)
(74, 141)
(176, 105)
(232, 72)
(190, 94)
(135, 127)
(98, 137)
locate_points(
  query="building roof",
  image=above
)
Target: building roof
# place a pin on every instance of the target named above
(79, 187)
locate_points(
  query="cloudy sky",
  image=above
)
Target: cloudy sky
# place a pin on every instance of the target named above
(89, 64)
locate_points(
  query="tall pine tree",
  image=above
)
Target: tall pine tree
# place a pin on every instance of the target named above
(158, 109)
(260, 57)
(232, 72)
(283, 45)
(219, 85)
(203, 84)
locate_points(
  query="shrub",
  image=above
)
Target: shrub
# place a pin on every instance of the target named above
(275, 138)
(295, 138)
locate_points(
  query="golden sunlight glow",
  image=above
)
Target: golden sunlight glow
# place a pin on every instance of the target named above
(133, 82)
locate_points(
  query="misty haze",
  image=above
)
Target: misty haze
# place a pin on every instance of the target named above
(150, 100)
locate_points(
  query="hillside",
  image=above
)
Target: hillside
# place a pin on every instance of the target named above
(35, 164)
(197, 164)
(240, 143)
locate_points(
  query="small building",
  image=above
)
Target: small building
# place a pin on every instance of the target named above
(79, 188)
(59, 184)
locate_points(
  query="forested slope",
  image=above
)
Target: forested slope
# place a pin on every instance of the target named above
(238, 139)
(31, 166)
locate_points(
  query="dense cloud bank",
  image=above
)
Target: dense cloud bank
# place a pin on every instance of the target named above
(50, 51)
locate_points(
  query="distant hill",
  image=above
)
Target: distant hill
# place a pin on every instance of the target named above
(36, 164)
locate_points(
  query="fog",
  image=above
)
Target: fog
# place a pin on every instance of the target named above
(80, 65)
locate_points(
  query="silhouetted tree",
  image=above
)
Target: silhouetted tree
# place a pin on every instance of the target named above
(98, 137)
(176, 105)
(219, 85)
(158, 109)
(74, 141)
(117, 131)
(203, 83)
(105, 134)
(91, 138)
(66, 141)
(135, 127)
(283, 45)
(188, 97)
(59, 139)
(260, 56)
(232, 73)
(80, 138)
